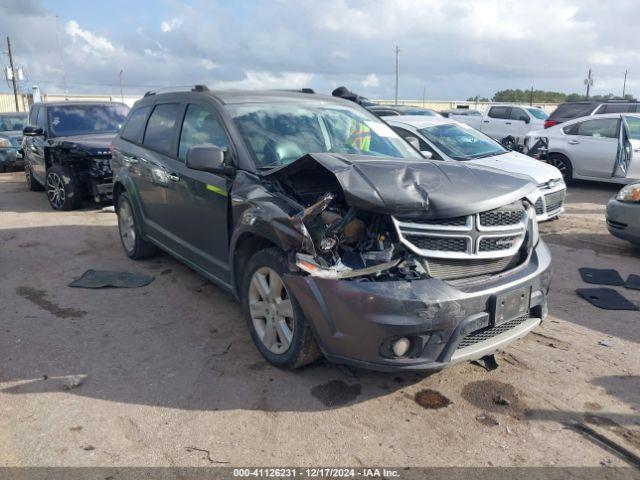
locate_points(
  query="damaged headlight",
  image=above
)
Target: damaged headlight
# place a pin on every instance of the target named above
(306, 263)
(630, 193)
(4, 142)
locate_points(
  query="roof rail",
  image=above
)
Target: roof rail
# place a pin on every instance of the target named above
(296, 90)
(178, 88)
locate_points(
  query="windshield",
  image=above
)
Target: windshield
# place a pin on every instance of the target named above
(633, 127)
(279, 133)
(66, 120)
(539, 114)
(461, 142)
(12, 122)
(419, 111)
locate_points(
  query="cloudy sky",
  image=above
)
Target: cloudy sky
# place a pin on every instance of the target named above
(453, 49)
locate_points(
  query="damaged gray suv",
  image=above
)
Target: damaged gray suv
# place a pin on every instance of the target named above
(338, 238)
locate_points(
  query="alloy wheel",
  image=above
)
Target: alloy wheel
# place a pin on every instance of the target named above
(271, 310)
(126, 226)
(559, 164)
(55, 190)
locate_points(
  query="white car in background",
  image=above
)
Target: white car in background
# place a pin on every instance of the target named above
(449, 140)
(502, 121)
(604, 148)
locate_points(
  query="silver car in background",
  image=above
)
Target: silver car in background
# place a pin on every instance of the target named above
(605, 148)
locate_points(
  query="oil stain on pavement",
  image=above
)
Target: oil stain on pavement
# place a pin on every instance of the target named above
(38, 298)
(495, 397)
(431, 399)
(336, 393)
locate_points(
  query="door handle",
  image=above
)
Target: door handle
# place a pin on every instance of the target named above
(485, 121)
(573, 142)
(173, 177)
(507, 123)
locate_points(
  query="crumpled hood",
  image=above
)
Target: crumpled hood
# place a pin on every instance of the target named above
(94, 143)
(515, 162)
(434, 189)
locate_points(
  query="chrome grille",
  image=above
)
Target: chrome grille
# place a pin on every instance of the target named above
(554, 201)
(539, 206)
(440, 244)
(460, 247)
(490, 332)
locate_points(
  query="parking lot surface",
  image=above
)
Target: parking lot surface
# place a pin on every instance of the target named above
(167, 375)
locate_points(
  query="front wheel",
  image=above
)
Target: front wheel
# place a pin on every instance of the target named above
(277, 324)
(63, 190)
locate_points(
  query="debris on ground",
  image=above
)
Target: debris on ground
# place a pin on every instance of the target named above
(431, 399)
(206, 456)
(88, 447)
(73, 382)
(108, 209)
(606, 298)
(500, 400)
(105, 278)
(488, 420)
(601, 276)
(489, 363)
(224, 351)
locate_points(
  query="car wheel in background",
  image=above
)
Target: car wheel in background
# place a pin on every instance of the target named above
(134, 245)
(32, 183)
(277, 324)
(563, 164)
(63, 191)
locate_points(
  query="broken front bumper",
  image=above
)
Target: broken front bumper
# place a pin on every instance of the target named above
(355, 321)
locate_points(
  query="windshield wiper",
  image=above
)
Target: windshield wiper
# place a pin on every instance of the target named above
(485, 155)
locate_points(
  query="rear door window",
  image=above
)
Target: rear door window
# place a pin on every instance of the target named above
(600, 128)
(200, 126)
(617, 108)
(159, 134)
(499, 112)
(134, 127)
(518, 114)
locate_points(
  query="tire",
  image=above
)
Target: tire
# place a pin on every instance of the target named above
(32, 183)
(63, 189)
(274, 323)
(136, 247)
(563, 164)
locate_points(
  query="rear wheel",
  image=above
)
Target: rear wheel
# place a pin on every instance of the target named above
(563, 164)
(277, 324)
(63, 190)
(134, 245)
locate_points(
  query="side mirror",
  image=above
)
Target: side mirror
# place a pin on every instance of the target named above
(415, 143)
(207, 158)
(427, 154)
(31, 131)
(525, 119)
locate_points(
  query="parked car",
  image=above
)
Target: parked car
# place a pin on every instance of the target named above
(66, 150)
(571, 110)
(11, 125)
(623, 214)
(460, 112)
(394, 110)
(449, 140)
(336, 236)
(503, 121)
(605, 148)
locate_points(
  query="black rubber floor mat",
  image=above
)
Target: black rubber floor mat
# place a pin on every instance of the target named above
(104, 278)
(633, 282)
(601, 277)
(606, 298)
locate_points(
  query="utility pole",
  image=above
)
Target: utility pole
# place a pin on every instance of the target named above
(624, 84)
(588, 82)
(397, 71)
(13, 75)
(531, 97)
(424, 95)
(121, 94)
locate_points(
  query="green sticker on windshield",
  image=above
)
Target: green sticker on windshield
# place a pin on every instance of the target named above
(217, 190)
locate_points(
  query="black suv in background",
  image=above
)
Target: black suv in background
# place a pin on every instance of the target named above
(335, 234)
(570, 110)
(66, 150)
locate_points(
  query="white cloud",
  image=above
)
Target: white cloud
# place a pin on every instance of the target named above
(207, 64)
(254, 80)
(90, 41)
(371, 81)
(170, 25)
